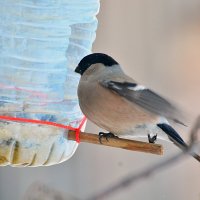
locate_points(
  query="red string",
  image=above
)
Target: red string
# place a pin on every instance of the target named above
(35, 121)
(78, 130)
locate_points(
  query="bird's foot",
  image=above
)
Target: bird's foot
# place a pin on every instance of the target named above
(106, 135)
(152, 139)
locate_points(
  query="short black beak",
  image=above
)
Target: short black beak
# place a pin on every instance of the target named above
(77, 70)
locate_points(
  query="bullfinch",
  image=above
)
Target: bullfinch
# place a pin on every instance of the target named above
(117, 103)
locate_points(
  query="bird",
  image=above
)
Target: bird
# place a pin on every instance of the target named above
(120, 105)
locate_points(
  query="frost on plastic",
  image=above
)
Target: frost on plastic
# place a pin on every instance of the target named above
(41, 43)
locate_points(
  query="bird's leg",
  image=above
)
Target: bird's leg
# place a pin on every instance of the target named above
(152, 139)
(106, 135)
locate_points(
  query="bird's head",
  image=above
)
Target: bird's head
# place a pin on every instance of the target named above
(92, 59)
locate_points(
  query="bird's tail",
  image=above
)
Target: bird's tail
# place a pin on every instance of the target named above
(176, 138)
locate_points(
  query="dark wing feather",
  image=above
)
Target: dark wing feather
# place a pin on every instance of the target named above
(145, 98)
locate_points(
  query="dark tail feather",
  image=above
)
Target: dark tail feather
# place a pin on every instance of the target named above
(176, 138)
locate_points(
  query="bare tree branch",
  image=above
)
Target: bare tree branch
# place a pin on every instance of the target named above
(133, 178)
(131, 145)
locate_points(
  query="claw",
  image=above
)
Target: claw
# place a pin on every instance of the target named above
(152, 139)
(106, 135)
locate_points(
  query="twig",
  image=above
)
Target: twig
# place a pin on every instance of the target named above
(133, 178)
(194, 131)
(132, 145)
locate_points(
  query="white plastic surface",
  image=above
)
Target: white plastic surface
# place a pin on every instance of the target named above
(41, 43)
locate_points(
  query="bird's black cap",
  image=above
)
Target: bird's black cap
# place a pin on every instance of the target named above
(94, 58)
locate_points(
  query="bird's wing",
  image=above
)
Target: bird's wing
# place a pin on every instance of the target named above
(143, 97)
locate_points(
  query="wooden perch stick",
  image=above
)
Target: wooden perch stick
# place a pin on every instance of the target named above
(132, 145)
